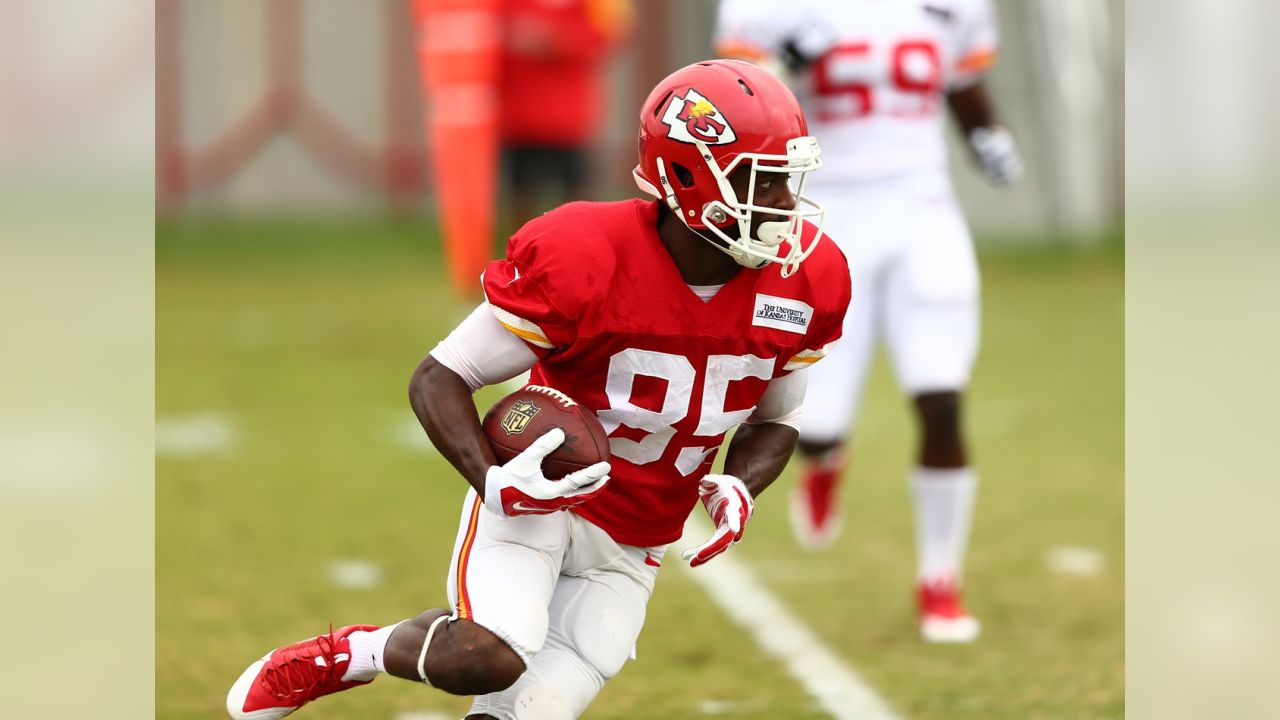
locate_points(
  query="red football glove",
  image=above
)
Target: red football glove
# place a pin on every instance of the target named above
(519, 488)
(730, 506)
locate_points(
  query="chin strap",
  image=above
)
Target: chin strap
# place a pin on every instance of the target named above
(768, 237)
(759, 250)
(422, 657)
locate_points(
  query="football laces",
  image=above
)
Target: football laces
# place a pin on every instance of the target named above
(553, 393)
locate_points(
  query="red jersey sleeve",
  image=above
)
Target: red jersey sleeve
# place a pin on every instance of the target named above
(831, 290)
(534, 292)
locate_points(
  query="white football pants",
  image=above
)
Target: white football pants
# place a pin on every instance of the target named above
(915, 283)
(557, 589)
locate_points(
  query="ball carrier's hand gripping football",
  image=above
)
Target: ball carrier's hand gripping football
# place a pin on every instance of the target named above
(520, 488)
(729, 504)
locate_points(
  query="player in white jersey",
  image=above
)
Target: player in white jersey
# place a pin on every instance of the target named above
(876, 78)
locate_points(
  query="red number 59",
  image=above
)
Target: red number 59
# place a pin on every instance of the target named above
(849, 80)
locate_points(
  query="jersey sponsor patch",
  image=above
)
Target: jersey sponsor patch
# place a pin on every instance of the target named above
(692, 118)
(781, 314)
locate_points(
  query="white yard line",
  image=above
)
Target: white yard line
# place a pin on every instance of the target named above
(355, 574)
(734, 587)
(1077, 561)
(408, 433)
(195, 435)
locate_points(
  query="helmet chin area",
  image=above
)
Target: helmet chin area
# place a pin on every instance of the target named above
(775, 241)
(747, 251)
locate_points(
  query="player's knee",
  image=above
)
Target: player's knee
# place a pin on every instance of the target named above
(541, 702)
(469, 660)
(940, 413)
(606, 646)
(811, 448)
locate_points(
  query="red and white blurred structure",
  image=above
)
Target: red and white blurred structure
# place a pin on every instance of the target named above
(231, 79)
(317, 105)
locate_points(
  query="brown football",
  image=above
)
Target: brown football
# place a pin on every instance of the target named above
(515, 421)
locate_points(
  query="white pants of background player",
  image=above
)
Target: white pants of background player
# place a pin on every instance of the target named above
(915, 283)
(567, 598)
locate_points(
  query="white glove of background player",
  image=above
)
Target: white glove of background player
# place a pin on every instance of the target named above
(519, 488)
(730, 506)
(997, 154)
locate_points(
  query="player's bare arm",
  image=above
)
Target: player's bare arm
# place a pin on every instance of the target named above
(442, 401)
(992, 145)
(480, 352)
(758, 453)
(972, 108)
(761, 447)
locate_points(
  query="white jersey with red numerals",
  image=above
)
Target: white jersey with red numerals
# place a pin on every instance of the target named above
(874, 94)
(592, 289)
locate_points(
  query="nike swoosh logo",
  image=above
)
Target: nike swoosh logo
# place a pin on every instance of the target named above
(648, 560)
(519, 505)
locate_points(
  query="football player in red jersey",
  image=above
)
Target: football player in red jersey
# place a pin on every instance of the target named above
(675, 320)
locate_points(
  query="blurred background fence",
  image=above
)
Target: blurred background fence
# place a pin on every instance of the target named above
(297, 105)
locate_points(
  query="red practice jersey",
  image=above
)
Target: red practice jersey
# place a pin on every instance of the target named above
(591, 288)
(553, 63)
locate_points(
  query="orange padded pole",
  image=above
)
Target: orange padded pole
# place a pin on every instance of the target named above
(458, 43)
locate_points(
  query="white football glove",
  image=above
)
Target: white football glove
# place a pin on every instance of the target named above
(519, 488)
(730, 506)
(997, 153)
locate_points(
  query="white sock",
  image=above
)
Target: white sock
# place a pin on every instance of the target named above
(944, 509)
(366, 653)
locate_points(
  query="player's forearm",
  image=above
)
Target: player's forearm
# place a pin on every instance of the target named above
(993, 146)
(442, 401)
(758, 453)
(972, 108)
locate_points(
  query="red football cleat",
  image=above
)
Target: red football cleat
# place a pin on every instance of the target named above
(815, 505)
(292, 676)
(943, 618)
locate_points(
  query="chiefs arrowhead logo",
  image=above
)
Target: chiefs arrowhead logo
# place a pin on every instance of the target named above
(692, 118)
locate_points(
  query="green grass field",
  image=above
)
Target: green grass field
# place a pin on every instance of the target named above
(301, 338)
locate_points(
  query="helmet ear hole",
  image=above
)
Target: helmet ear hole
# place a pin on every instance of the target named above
(663, 102)
(682, 174)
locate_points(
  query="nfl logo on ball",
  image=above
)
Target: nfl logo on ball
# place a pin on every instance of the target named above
(518, 417)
